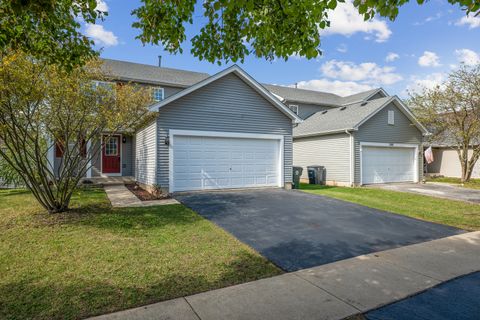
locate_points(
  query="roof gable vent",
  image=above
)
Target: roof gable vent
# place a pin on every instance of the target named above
(343, 108)
(364, 103)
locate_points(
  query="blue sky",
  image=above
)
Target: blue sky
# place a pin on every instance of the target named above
(417, 49)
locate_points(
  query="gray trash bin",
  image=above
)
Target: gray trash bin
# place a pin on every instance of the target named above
(316, 174)
(297, 173)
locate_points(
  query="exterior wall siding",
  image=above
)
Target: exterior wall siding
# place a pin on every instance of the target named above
(446, 164)
(146, 154)
(228, 105)
(331, 151)
(377, 129)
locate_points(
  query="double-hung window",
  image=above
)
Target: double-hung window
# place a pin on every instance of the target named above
(157, 94)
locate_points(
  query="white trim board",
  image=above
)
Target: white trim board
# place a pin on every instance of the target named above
(245, 77)
(391, 145)
(172, 133)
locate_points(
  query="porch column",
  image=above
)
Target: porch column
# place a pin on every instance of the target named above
(51, 154)
(89, 165)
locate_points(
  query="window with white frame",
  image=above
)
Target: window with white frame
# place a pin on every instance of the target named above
(157, 94)
(294, 108)
(103, 84)
(391, 117)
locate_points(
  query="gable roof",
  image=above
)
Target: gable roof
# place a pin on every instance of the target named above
(319, 97)
(362, 96)
(305, 96)
(129, 71)
(242, 75)
(350, 118)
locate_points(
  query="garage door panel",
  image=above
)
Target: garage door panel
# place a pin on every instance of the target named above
(217, 162)
(387, 164)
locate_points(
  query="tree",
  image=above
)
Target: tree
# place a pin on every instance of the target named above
(452, 113)
(231, 29)
(48, 29)
(43, 107)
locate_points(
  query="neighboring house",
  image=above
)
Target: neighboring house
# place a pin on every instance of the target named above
(365, 138)
(446, 162)
(229, 131)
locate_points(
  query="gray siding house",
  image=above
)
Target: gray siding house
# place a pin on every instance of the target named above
(366, 138)
(228, 131)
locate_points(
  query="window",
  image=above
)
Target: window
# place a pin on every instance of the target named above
(294, 108)
(111, 146)
(103, 84)
(391, 117)
(157, 94)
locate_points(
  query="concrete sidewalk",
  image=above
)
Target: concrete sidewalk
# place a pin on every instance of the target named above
(332, 291)
(121, 197)
(434, 189)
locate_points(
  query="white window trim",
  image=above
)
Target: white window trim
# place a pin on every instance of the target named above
(121, 157)
(219, 134)
(391, 145)
(163, 93)
(391, 117)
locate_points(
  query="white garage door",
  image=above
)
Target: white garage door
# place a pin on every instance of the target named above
(218, 163)
(383, 165)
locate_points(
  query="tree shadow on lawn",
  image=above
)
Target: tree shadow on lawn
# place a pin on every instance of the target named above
(80, 297)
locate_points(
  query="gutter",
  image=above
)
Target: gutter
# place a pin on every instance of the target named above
(352, 157)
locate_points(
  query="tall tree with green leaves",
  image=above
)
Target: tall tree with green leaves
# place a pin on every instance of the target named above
(230, 30)
(233, 29)
(451, 111)
(43, 108)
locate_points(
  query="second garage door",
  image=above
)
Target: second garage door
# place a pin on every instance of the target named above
(388, 164)
(203, 162)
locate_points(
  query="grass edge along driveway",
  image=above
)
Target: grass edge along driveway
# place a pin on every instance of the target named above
(96, 259)
(453, 213)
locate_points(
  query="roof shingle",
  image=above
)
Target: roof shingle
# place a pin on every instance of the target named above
(339, 119)
(129, 71)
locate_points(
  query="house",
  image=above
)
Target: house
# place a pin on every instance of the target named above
(446, 162)
(365, 138)
(210, 132)
(229, 131)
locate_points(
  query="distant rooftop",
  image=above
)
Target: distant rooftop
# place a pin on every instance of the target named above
(151, 74)
(129, 71)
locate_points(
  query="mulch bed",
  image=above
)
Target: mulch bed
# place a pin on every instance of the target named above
(143, 194)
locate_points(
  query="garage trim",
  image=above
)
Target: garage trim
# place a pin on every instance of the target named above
(390, 145)
(222, 134)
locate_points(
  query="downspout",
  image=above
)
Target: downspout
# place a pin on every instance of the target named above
(352, 157)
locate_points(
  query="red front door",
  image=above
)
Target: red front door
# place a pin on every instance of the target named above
(111, 154)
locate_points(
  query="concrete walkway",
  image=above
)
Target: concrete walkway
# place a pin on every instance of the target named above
(332, 291)
(439, 190)
(121, 197)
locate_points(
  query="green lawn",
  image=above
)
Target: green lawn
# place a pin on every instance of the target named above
(94, 259)
(472, 184)
(454, 213)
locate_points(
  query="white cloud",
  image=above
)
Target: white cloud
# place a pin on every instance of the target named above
(343, 88)
(470, 20)
(346, 20)
(102, 6)
(367, 72)
(467, 56)
(430, 81)
(429, 59)
(392, 56)
(101, 36)
(342, 48)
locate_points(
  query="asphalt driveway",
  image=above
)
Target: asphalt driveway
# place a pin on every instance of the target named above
(296, 230)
